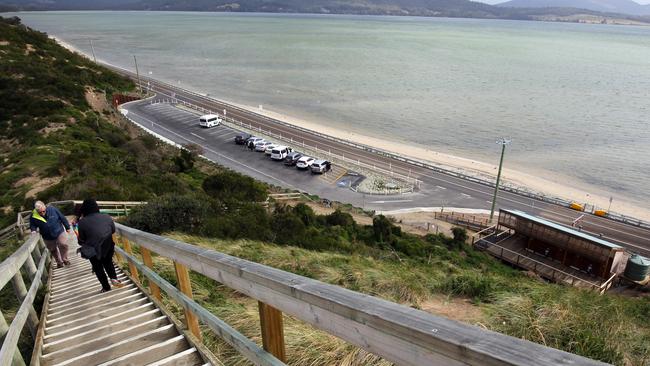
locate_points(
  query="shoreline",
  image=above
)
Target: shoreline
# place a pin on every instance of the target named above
(539, 183)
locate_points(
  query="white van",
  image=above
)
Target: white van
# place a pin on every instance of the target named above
(209, 120)
(280, 152)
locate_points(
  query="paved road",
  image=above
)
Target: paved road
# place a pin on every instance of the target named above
(436, 189)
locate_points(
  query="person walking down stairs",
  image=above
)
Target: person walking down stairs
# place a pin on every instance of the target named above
(52, 225)
(96, 241)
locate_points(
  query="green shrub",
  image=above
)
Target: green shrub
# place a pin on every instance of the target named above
(169, 213)
(231, 187)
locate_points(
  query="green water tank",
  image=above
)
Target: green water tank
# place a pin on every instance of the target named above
(637, 268)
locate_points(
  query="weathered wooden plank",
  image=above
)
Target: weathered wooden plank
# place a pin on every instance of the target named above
(10, 343)
(272, 331)
(146, 258)
(398, 333)
(21, 292)
(11, 265)
(185, 285)
(238, 341)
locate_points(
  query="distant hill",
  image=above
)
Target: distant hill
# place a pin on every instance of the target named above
(429, 8)
(606, 6)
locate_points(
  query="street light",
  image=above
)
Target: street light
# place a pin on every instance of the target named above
(503, 142)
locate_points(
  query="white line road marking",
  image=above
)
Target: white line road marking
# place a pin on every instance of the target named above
(466, 195)
(192, 133)
(441, 187)
(395, 201)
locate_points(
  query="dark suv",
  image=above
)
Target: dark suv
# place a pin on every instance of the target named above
(241, 138)
(292, 158)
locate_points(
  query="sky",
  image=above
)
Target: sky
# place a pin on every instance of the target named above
(501, 1)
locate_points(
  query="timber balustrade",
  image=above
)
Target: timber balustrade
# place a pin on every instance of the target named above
(397, 333)
(31, 252)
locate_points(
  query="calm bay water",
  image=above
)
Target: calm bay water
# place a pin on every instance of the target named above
(575, 99)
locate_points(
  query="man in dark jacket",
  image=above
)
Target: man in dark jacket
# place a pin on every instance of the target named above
(50, 222)
(96, 240)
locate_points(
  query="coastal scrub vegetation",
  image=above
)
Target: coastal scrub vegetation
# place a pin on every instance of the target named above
(56, 145)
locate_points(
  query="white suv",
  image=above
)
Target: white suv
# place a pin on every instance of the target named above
(304, 162)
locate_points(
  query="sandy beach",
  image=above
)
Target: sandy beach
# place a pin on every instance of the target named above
(542, 182)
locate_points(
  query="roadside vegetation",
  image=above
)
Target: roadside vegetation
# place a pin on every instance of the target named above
(57, 142)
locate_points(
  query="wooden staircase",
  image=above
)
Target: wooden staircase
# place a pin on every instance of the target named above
(83, 326)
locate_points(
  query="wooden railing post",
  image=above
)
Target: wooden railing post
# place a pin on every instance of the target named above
(21, 293)
(135, 276)
(185, 285)
(272, 331)
(146, 258)
(4, 328)
(118, 257)
(30, 267)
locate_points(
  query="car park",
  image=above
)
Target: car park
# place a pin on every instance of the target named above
(242, 138)
(262, 145)
(304, 162)
(209, 120)
(292, 158)
(280, 152)
(320, 166)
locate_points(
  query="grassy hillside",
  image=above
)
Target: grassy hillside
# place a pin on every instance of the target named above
(54, 145)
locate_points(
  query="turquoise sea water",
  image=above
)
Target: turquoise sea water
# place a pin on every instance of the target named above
(574, 98)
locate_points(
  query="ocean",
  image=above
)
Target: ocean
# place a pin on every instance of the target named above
(574, 98)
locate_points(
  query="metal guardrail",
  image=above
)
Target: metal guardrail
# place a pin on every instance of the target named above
(398, 333)
(515, 190)
(10, 270)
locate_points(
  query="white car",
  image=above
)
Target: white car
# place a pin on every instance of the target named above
(209, 120)
(304, 162)
(261, 146)
(269, 149)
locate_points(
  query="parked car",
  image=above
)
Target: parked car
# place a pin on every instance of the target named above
(269, 149)
(292, 158)
(209, 120)
(320, 166)
(262, 145)
(305, 162)
(242, 138)
(280, 152)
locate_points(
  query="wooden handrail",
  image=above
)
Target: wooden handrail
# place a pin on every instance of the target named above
(395, 332)
(10, 268)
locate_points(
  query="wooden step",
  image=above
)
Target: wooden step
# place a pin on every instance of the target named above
(189, 357)
(95, 308)
(152, 353)
(89, 344)
(57, 343)
(116, 350)
(85, 326)
(54, 325)
(63, 304)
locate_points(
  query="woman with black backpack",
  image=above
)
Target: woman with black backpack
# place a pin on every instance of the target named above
(96, 241)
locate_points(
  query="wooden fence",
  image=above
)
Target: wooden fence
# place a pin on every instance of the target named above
(26, 257)
(467, 221)
(397, 333)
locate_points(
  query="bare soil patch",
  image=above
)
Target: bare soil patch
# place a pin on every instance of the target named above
(42, 185)
(460, 309)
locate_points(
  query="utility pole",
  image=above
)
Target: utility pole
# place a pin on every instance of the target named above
(138, 74)
(503, 142)
(93, 49)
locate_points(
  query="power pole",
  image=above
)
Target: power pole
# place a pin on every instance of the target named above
(503, 142)
(138, 74)
(93, 49)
